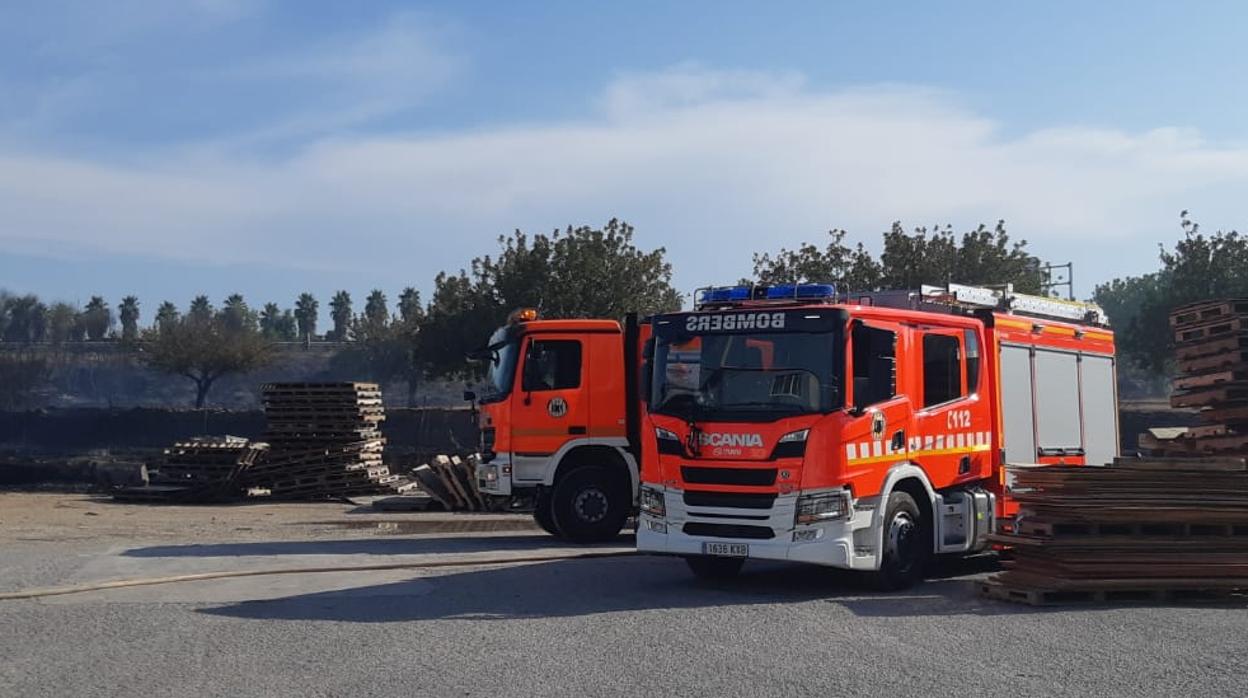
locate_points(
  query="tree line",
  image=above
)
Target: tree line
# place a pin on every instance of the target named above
(594, 272)
(1197, 267)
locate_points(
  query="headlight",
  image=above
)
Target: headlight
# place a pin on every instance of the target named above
(795, 436)
(653, 502)
(669, 443)
(791, 445)
(823, 506)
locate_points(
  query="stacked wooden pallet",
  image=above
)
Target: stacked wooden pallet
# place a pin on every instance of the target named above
(206, 461)
(324, 441)
(1137, 530)
(1211, 340)
(205, 468)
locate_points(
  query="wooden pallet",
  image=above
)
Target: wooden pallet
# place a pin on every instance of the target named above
(1160, 529)
(1226, 413)
(1213, 378)
(1221, 464)
(1211, 347)
(333, 385)
(1235, 358)
(1218, 396)
(1221, 328)
(1205, 312)
(1066, 597)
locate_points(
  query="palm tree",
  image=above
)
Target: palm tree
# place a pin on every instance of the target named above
(306, 310)
(63, 323)
(286, 327)
(375, 310)
(166, 315)
(27, 319)
(236, 314)
(270, 316)
(201, 309)
(340, 312)
(128, 311)
(97, 318)
(410, 309)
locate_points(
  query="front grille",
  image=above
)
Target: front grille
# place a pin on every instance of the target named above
(728, 476)
(712, 530)
(733, 500)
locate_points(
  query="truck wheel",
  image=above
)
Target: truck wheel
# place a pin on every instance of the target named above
(590, 505)
(714, 568)
(907, 544)
(542, 513)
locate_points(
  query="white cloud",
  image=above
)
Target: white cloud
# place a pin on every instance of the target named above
(689, 84)
(200, 69)
(712, 165)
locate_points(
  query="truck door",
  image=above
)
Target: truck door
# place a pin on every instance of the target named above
(951, 439)
(879, 433)
(551, 407)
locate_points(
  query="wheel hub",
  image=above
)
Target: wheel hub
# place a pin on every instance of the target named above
(901, 536)
(590, 505)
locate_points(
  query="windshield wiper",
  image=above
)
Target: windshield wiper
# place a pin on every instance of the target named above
(786, 406)
(672, 405)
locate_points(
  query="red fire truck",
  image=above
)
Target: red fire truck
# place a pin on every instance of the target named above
(559, 421)
(867, 432)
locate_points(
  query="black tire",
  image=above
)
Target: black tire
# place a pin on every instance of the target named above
(591, 504)
(543, 515)
(714, 569)
(907, 544)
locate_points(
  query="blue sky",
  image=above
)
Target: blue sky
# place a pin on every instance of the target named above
(214, 146)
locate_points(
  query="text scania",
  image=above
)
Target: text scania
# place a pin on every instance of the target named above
(731, 322)
(718, 440)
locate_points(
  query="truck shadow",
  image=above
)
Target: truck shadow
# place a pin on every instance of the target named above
(571, 588)
(386, 546)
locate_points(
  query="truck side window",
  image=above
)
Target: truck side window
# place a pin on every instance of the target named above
(875, 363)
(972, 362)
(942, 369)
(552, 364)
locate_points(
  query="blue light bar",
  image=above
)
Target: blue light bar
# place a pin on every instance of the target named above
(725, 294)
(801, 291)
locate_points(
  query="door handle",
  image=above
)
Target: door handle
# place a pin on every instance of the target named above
(899, 439)
(576, 431)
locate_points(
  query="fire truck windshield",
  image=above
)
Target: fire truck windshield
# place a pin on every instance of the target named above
(788, 363)
(500, 355)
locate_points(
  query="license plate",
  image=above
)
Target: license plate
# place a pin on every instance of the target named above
(726, 549)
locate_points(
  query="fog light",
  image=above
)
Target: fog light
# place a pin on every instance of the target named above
(656, 526)
(491, 474)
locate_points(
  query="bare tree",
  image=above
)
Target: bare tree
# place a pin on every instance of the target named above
(205, 349)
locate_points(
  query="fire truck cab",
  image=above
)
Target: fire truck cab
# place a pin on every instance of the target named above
(867, 432)
(555, 421)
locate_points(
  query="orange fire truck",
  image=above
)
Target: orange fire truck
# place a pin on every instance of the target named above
(866, 432)
(559, 421)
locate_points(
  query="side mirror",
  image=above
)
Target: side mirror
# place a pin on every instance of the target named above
(647, 370)
(470, 396)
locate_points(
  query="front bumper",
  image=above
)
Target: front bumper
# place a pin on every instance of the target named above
(494, 478)
(845, 543)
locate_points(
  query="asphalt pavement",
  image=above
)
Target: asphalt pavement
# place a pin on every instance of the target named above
(601, 627)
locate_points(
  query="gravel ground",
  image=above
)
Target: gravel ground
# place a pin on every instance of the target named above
(619, 626)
